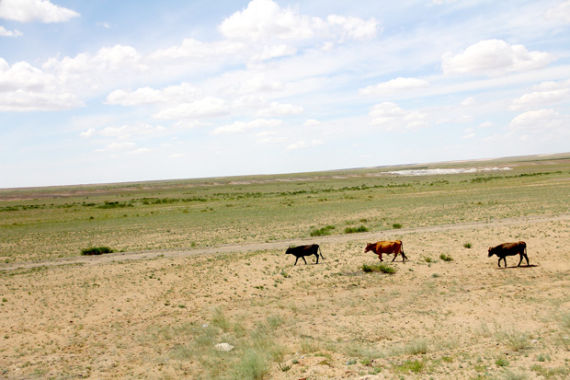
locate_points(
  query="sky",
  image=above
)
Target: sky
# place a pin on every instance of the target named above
(112, 91)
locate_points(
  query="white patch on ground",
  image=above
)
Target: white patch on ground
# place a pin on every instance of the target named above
(446, 171)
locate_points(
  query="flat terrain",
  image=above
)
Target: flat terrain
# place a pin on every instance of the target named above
(202, 262)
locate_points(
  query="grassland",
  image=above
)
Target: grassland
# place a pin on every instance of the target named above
(449, 312)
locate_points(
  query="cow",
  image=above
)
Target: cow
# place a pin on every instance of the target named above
(388, 246)
(305, 250)
(509, 249)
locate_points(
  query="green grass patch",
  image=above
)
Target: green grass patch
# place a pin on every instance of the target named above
(467, 245)
(445, 257)
(383, 268)
(96, 251)
(352, 230)
(322, 231)
(396, 226)
(415, 366)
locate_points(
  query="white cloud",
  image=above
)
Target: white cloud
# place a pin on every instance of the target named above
(547, 93)
(9, 33)
(263, 20)
(397, 84)
(242, 126)
(24, 87)
(468, 101)
(274, 51)
(194, 49)
(304, 144)
(35, 10)
(181, 93)
(353, 27)
(207, 107)
(560, 12)
(129, 131)
(494, 57)
(391, 117)
(542, 122)
(279, 109)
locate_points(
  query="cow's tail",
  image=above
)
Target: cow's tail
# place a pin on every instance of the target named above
(320, 253)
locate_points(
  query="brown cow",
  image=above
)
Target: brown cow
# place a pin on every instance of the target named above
(509, 249)
(381, 247)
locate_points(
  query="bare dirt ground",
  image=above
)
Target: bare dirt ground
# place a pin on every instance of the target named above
(159, 314)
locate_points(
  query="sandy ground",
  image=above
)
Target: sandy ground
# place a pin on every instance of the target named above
(159, 314)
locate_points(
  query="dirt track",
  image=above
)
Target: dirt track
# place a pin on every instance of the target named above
(376, 235)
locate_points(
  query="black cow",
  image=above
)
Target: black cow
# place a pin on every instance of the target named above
(305, 250)
(509, 249)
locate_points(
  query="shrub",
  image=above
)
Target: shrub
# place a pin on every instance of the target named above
(351, 230)
(445, 257)
(323, 231)
(96, 250)
(396, 226)
(378, 268)
(467, 245)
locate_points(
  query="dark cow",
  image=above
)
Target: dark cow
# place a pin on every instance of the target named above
(305, 250)
(381, 247)
(509, 249)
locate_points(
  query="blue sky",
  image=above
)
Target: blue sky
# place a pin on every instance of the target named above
(110, 91)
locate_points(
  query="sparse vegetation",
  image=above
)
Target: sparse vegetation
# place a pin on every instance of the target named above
(396, 226)
(467, 245)
(162, 313)
(445, 257)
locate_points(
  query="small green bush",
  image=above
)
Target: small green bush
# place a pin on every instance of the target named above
(322, 231)
(445, 257)
(351, 230)
(96, 250)
(378, 268)
(396, 226)
(467, 245)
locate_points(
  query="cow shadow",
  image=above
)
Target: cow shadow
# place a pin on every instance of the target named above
(520, 267)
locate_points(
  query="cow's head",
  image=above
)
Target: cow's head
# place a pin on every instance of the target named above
(369, 247)
(491, 252)
(288, 251)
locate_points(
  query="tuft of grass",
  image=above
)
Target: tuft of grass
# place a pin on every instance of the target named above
(322, 231)
(445, 257)
(220, 320)
(415, 366)
(516, 341)
(467, 245)
(417, 347)
(96, 251)
(378, 268)
(501, 362)
(351, 230)
(396, 226)
(253, 365)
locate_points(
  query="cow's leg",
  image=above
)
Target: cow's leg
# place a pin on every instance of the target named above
(526, 257)
(380, 257)
(303, 257)
(296, 260)
(520, 261)
(404, 258)
(395, 255)
(499, 262)
(317, 258)
(505, 260)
